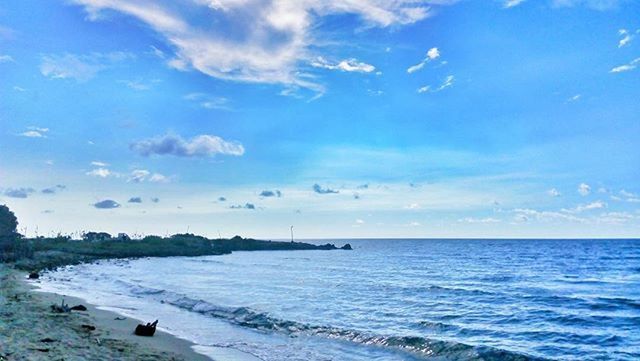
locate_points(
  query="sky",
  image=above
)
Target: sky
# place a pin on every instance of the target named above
(341, 118)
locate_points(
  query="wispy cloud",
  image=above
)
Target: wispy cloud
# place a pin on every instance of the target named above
(79, 67)
(35, 132)
(53, 190)
(22, 192)
(135, 200)
(479, 220)
(600, 5)
(584, 189)
(347, 65)
(432, 54)
(512, 3)
(208, 101)
(268, 48)
(446, 83)
(626, 38)
(554, 192)
(586, 207)
(143, 175)
(626, 67)
(99, 164)
(6, 59)
(101, 173)
(199, 146)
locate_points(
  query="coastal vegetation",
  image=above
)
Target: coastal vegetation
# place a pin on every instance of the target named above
(51, 252)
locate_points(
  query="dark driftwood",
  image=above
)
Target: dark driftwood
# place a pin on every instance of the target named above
(146, 330)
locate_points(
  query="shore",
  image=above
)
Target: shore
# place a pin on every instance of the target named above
(30, 331)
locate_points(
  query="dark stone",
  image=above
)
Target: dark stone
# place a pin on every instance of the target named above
(34, 276)
(89, 327)
(347, 247)
(79, 308)
(48, 340)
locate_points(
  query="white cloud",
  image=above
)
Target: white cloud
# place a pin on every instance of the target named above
(626, 38)
(412, 206)
(524, 214)
(616, 217)
(512, 3)
(158, 178)
(348, 65)
(138, 175)
(554, 192)
(586, 207)
(269, 40)
(19, 89)
(100, 172)
(79, 67)
(138, 85)
(479, 220)
(584, 189)
(626, 67)
(600, 5)
(35, 132)
(199, 146)
(575, 98)
(359, 221)
(208, 101)
(432, 54)
(32, 134)
(446, 83)
(6, 59)
(99, 164)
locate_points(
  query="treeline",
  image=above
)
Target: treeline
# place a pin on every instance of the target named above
(46, 253)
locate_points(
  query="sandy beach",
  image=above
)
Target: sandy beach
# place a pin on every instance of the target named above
(30, 331)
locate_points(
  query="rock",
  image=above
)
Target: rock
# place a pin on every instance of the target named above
(34, 276)
(88, 327)
(79, 308)
(347, 247)
(48, 340)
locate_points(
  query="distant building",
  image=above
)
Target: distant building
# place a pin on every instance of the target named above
(96, 236)
(123, 237)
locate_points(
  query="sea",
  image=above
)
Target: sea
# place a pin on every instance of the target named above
(387, 299)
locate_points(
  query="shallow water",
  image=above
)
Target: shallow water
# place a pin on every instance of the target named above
(388, 299)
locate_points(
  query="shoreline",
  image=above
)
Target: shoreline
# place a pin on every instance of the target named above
(32, 332)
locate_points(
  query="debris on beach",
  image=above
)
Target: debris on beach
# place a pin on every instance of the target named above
(88, 327)
(34, 275)
(146, 330)
(63, 308)
(79, 308)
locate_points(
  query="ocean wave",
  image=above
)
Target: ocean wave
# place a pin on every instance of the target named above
(261, 321)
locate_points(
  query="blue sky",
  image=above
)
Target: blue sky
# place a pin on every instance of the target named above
(357, 118)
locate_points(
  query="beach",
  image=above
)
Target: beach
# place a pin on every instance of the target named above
(30, 331)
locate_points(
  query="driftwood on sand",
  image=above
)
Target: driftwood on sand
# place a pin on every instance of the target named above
(146, 330)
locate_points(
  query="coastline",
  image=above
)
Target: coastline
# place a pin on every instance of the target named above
(29, 330)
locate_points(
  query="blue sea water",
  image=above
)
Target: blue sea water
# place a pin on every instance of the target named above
(387, 299)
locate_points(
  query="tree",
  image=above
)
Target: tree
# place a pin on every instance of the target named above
(8, 222)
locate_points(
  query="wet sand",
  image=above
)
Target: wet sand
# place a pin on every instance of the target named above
(30, 331)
